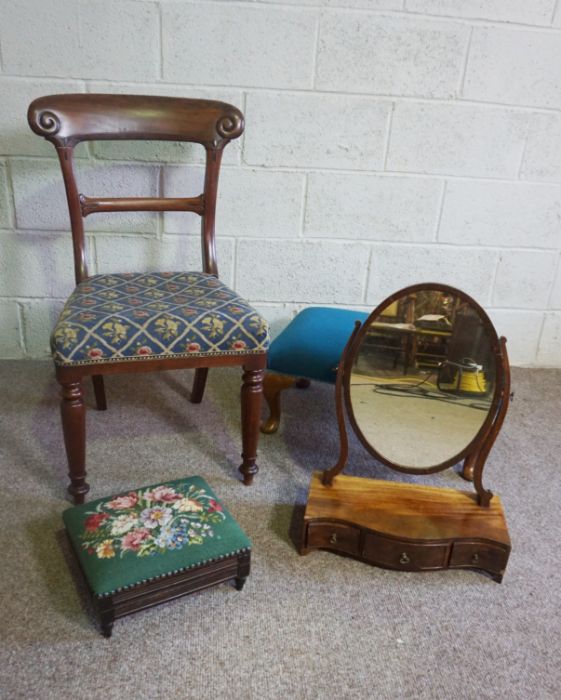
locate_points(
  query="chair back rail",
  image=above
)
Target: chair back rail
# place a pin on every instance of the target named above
(66, 120)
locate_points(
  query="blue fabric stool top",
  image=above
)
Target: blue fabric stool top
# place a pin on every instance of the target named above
(313, 342)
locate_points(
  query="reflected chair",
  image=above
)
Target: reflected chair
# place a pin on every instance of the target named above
(137, 322)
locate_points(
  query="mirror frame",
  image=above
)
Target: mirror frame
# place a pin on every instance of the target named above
(352, 351)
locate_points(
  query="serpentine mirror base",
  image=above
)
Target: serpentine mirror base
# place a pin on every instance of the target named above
(405, 526)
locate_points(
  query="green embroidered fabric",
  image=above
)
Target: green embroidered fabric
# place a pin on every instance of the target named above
(141, 535)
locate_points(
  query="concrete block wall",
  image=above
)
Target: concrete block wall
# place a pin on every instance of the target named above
(388, 142)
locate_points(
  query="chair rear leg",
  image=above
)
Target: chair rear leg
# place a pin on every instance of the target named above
(251, 393)
(199, 384)
(73, 413)
(99, 391)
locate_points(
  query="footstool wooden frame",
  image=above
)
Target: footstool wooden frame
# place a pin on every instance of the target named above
(171, 586)
(148, 564)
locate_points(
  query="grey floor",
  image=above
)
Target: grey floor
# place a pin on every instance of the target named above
(319, 626)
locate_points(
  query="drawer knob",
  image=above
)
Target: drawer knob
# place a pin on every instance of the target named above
(475, 558)
(333, 538)
(404, 559)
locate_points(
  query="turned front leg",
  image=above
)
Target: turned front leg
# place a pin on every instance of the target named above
(251, 393)
(73, 413)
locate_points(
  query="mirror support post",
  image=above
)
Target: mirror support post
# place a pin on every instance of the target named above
(342, 372)
(478, 459)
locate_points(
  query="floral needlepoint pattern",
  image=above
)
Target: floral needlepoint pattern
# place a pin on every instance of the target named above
(138, 317)
(154, 531)
(151, 521)
(122, 502)
(105, 549)
(94, 521)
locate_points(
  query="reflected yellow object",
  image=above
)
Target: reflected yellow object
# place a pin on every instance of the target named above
(466, 382)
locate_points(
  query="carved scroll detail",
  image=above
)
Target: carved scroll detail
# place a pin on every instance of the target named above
(48, 122)
(230, 126)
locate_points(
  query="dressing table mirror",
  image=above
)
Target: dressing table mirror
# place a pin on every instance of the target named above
(424, 383)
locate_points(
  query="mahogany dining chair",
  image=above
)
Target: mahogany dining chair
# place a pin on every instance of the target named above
(141, 322)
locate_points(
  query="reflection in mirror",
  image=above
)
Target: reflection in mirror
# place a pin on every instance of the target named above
(423, 379)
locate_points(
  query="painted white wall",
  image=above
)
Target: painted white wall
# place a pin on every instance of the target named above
(388, 142)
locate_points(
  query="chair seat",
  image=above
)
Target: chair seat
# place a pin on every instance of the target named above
(144, 316)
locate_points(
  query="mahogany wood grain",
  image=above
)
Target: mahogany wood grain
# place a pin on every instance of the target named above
(393, 553)
(251, 394)
(65, 120)
(95, 205)
(343, 371)
(75, 213)
(110, 608)
(503, 380)
(213, 160)
(73, 414)
(405, 526)
(406, 510)
(326, 535)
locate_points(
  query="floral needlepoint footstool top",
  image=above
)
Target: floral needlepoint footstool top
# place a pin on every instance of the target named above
(155, 531)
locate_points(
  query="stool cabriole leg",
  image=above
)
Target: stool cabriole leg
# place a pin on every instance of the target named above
(273, 384)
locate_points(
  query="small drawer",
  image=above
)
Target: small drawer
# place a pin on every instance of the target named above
(342, 538)
(402, 554)
(479, 555)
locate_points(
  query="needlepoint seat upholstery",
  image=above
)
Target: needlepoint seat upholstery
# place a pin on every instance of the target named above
(135, 317)
(156, 543)
(148, 321)
(309, 348)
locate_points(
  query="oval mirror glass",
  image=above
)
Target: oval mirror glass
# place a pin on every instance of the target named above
(422, 379)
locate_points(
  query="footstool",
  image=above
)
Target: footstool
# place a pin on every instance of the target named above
(155, 544)
(310, 347)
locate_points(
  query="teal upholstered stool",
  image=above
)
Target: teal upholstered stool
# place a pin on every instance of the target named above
(155, 544)
(310, 347)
